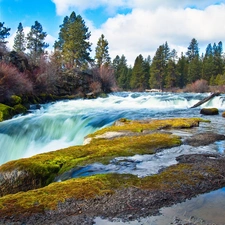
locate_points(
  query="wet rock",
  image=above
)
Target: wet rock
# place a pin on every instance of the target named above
(15, 181)
(209, 111)
(204, 139)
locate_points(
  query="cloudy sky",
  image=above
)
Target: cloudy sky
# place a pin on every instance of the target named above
(132, 27)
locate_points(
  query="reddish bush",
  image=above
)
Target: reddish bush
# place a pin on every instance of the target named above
(105, 75)
(95, 87)
(44, 76)
(199, 86)
(12, 82)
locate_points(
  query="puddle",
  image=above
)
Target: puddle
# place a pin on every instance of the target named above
(206, 209)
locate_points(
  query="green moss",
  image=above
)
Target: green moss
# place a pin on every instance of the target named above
(6, 112)
(20, 109)
(98, 151)
(137, 126)
(15, 100)
(44, 167)
(173, 178)
(209, 111)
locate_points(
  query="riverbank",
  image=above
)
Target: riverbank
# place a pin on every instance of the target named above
(124, 196)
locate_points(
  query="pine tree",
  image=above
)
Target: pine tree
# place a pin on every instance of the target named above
(172, 78)
(19, 40)
(4, 33)
(158, 69)
(102, 52)
(123, 79)
(208, 66)
(193, 50)
(74, 42)
(195, 64)
(194, 70)
(218, 59)
(115, 64)
(35, 41)
(182, 70)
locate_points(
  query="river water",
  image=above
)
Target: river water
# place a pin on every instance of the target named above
(65, 123)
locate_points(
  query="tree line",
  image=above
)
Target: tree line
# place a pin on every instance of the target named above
(28, 68)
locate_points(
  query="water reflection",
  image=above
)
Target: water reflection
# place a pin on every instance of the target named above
(206, 209)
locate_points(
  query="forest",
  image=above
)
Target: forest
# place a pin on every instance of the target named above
(29, 70)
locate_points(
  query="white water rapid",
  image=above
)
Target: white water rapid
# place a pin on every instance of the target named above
(65, 123)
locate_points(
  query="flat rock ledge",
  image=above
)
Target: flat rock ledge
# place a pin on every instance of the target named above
(133, 202)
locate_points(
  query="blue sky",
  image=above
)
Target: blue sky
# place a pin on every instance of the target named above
(132, 27)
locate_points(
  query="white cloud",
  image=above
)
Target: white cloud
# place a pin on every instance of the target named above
(143, 30)
(63, 7)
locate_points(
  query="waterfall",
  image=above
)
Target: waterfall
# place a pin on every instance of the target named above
(65, 123)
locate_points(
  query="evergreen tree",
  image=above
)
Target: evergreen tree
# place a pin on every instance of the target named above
(35, 41)
(123, 71)
(182, 71)
(4, 33)
(171, 79)
(19, 40)
(115, 64)
(208, 64)
(138, 78)
(63, 32)
(218, 59)
(74, 42)
(158, 68)
(195, 64)
(193, 50)
(102, 52)
(194, 69)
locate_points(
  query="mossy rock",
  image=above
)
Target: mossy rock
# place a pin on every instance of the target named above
(20, 109)
(209, 111)
(15, 100)
(183, 179)
(223, 114)
(40, 170)
(6, 112)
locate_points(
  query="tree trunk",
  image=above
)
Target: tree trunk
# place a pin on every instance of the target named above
(205, 99)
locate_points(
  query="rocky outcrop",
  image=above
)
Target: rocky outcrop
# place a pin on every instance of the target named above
(125, 138)
(204, 139)
(209, 111)
(115, 196)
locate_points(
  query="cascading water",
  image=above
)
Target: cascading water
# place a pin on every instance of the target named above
(66, 123)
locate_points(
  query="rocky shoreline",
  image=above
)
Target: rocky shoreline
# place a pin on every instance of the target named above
(133, 202)
(126, 197)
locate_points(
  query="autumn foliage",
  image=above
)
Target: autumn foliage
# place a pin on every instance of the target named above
(13, 82)
(199, 86)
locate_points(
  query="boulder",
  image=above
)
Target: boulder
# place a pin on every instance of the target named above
(6, 112)
(209, 111)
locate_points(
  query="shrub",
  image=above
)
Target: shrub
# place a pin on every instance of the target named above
(105, 75)
(12, 82)
(199, 86)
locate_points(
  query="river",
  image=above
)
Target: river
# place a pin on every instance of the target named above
(65, 123)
